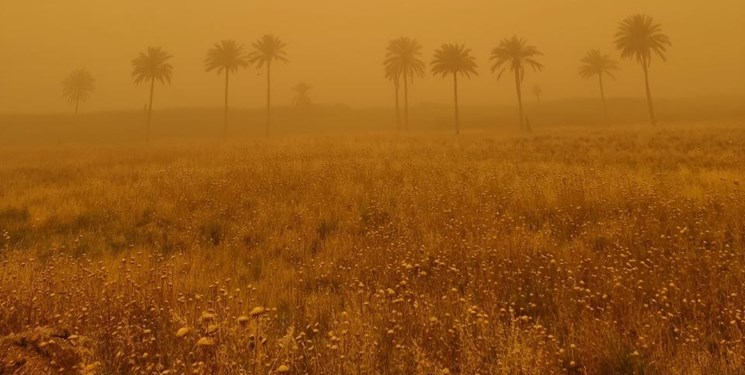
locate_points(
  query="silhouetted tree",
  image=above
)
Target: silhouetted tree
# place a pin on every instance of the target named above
(597, 64)
(226, 56)
(403, 62)
(267, 50)
(152, 65)
(515, 53)
(638, 37)
(538, 92)
(454, 59)
(301, 99)
(78, 87)
(393, 76)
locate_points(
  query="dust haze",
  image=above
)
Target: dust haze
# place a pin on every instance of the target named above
(338, 46)
(323, 187)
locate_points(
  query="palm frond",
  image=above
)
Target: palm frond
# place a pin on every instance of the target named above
(403, 60)
(639, 38)
(596, 63)
(78, 86)
(226, 55)
(454, 59)
(515, 52)
(267, 50)
(152, 65)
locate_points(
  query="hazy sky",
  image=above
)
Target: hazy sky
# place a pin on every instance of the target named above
(338, 46)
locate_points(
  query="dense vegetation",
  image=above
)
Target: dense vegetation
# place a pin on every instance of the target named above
(606, 253)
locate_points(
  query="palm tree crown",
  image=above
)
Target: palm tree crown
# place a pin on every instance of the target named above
(267, 50)
(639, 37)
(454, 59)
(78, 87)
(597, 63)
(153, 65)
(403, 59)
(517, 54)
(226, 56)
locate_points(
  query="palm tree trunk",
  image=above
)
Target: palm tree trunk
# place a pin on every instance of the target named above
(406, 102)
(602, 94)
(519, 99)
(225, 117)
(398, 106)
(268, 96)
(150, 110)
(649, 94)
(455, 95)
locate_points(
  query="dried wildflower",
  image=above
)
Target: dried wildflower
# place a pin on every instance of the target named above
(182, 332)
(257, 312)
(205, 341)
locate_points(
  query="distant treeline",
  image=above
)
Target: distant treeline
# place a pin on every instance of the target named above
(206, 123)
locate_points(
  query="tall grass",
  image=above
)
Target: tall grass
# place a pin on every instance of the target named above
(603, 254)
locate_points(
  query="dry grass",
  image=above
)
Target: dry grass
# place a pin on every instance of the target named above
(605, 254)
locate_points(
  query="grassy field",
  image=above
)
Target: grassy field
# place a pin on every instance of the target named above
(611, 252)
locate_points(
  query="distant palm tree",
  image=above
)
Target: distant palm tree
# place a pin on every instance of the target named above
(538, 92)
(515, 53)
(152, 65)
(454, 59)
(638, 37)
(301, 99)
(78, 87)
(227, 56)
(403, 62)
(267, 50)
(393, 76)
(597, 64)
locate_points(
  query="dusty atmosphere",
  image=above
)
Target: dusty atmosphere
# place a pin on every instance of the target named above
(264, 187)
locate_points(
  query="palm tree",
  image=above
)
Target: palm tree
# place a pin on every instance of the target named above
(227, 56)
(301, 99)
(596, 63)
(267, 50)
(538, 92)
(393, 75)
(638, 37)
(78, 87)
(403, 62)
(454, 59)
(518, 55)
(152, 65)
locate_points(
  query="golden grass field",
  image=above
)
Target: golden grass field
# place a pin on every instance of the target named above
(604, 252)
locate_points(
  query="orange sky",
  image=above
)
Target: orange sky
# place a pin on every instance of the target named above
(337, 46)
